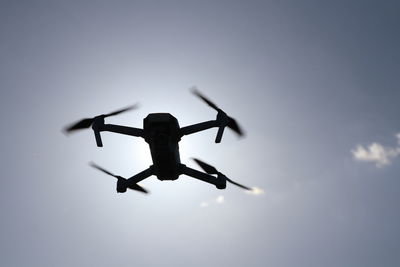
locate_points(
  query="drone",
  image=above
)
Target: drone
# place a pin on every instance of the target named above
(163, 133)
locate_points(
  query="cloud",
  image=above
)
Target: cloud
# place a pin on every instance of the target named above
(219, 200)
(204, 204)
(256, 191)
(377, 153)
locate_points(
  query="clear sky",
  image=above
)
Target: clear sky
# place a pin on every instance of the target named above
(315, 84)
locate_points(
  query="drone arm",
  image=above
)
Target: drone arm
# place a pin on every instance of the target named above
(220, 184)
(140, 176)
(199, 127)
(131, 183)
(121, 130)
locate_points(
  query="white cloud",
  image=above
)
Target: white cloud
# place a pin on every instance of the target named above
(220, 199)
(377, 153)
(255, 191)
(204, 204)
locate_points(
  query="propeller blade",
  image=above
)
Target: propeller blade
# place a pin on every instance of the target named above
(211, 104)
(207, 168)
(121, 110)
(82, 124)
(137, 187)
(233, 125)
(240, 185)
(94, 165)
(122, 180)
(212, 170)
(86, 123)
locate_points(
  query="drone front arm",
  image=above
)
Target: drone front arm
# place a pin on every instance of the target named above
(99, 126)
(121, 130)
(219, 183)
(199, 127)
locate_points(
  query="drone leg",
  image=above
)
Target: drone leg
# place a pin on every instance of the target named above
(219, 183)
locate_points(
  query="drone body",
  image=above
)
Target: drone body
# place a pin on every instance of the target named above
(163, 133)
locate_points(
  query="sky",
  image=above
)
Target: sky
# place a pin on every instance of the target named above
(315, 85)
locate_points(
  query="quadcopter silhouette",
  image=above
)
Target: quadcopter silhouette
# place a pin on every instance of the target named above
(163, 133)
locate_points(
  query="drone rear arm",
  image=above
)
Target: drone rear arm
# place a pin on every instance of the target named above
(219, 183)
(199, 127)
(140, 176)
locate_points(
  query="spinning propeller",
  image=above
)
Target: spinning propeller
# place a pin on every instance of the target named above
(122, 184)
(212, 170)
(86, 123)
(94, 122)
(222, 117)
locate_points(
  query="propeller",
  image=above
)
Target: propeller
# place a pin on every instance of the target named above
(86, 123)
(222, 116)
(205, 99)
(212, 170)
(121, 180)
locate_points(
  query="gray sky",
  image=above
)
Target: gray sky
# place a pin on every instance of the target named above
(314, 83)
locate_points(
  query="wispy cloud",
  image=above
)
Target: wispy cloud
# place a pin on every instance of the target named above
(219, 200)
(377, 153)
(204, 204)
(256, 191)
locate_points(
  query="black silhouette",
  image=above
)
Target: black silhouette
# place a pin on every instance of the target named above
(162, 132)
